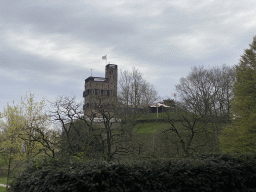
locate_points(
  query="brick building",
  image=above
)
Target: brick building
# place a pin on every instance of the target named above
(101, 90)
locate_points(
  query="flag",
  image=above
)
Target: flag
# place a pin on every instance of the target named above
(104, 57)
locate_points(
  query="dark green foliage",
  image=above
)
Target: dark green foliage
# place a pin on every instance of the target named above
(212, 172)
(240, 136)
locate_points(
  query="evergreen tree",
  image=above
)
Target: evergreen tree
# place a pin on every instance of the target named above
(241, 135)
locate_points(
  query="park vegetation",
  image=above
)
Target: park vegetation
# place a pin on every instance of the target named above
(214, 113)
(240, 136)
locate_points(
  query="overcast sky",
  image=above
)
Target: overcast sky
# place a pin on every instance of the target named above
(49, 47)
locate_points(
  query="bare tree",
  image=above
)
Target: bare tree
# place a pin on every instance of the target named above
(64, 113)
(208, 92)
(134, 90)
(93, 133)
(204, 107)
(134, 96)
(186, 133)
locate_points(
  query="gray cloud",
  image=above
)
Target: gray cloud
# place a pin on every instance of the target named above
(50, 46)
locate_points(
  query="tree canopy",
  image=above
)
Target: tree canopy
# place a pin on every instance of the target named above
(207, 92)
(134, 90)
(240, 137)
(24, 132)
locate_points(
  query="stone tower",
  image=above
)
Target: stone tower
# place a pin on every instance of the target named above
(99, 90)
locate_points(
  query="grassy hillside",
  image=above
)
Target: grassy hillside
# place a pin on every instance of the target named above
(149, 128)
(199, 137)
(3, 180)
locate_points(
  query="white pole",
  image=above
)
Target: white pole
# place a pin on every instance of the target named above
(157, 110)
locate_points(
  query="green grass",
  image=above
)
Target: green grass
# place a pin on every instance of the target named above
(149, 128)
(3, 180)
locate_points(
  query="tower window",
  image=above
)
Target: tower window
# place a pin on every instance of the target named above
(105, 92)
(98, 92)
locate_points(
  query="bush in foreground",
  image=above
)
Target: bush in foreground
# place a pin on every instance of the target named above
(220, 172)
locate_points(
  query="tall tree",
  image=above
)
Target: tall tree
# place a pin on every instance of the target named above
(134, 90)
(208, 92)
(95, 133)
(11, 146)
(36, 134)
(24, 132)
(241, 135)
(205, 100)
(134, 94)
